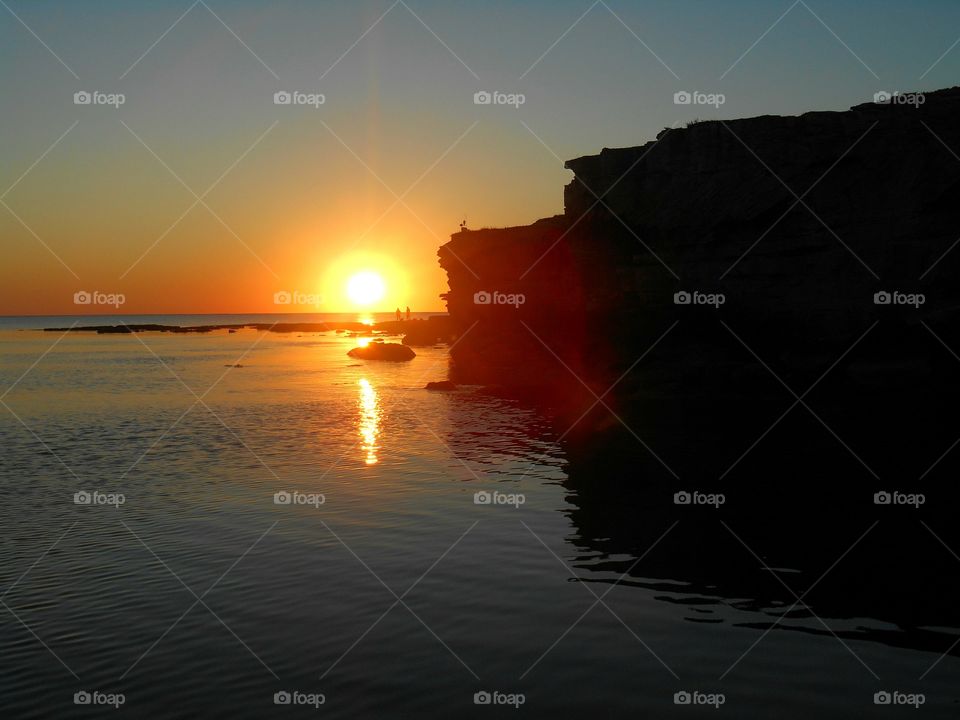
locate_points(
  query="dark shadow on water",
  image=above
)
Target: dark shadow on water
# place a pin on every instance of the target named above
(798, 534)
(798, 518)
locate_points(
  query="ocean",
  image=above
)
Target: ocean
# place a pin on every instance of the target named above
(217, 525)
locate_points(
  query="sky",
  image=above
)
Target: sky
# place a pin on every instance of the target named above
(200, 194)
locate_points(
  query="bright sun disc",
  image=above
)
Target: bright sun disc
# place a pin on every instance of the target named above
(365, 288)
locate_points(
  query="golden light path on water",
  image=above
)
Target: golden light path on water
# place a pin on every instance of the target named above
(369, 405)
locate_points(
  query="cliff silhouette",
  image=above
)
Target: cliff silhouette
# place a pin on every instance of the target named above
(702, 282)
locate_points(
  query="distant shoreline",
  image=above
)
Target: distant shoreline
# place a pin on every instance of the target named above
(168, 323)
(392, 327)
(220, 314)
(431, 330)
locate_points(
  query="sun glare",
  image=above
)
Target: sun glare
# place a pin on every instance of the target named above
(364, 283)
(366, 288)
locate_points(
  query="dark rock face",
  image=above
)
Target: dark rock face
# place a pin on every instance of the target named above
(796, 221)
(392, 352)
(708, 279)
(488, 275)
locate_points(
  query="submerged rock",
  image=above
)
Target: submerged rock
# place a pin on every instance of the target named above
(383, 351)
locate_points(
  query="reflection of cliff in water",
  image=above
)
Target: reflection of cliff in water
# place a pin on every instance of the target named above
(799, 507)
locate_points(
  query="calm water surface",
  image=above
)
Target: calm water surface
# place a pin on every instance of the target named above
(399, 596)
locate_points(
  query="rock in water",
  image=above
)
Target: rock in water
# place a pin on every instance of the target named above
(383, 351)
(441, 385)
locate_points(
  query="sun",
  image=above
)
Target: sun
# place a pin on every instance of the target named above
(365, 288)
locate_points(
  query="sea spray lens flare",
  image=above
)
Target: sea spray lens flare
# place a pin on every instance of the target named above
(366, 288)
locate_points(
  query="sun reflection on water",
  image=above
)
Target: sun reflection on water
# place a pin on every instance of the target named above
(369, 406)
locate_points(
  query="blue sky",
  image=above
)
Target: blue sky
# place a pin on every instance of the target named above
(593, 75)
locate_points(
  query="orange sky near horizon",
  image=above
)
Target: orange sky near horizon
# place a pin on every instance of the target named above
(201, 193)
(274, 224)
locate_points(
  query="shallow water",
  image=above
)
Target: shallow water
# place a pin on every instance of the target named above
(398, 595)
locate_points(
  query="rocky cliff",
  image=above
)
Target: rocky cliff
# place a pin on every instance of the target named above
(796, 221)
(765, 254)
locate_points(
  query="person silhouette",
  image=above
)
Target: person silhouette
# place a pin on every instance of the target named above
(398, 314)
(408, 312)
